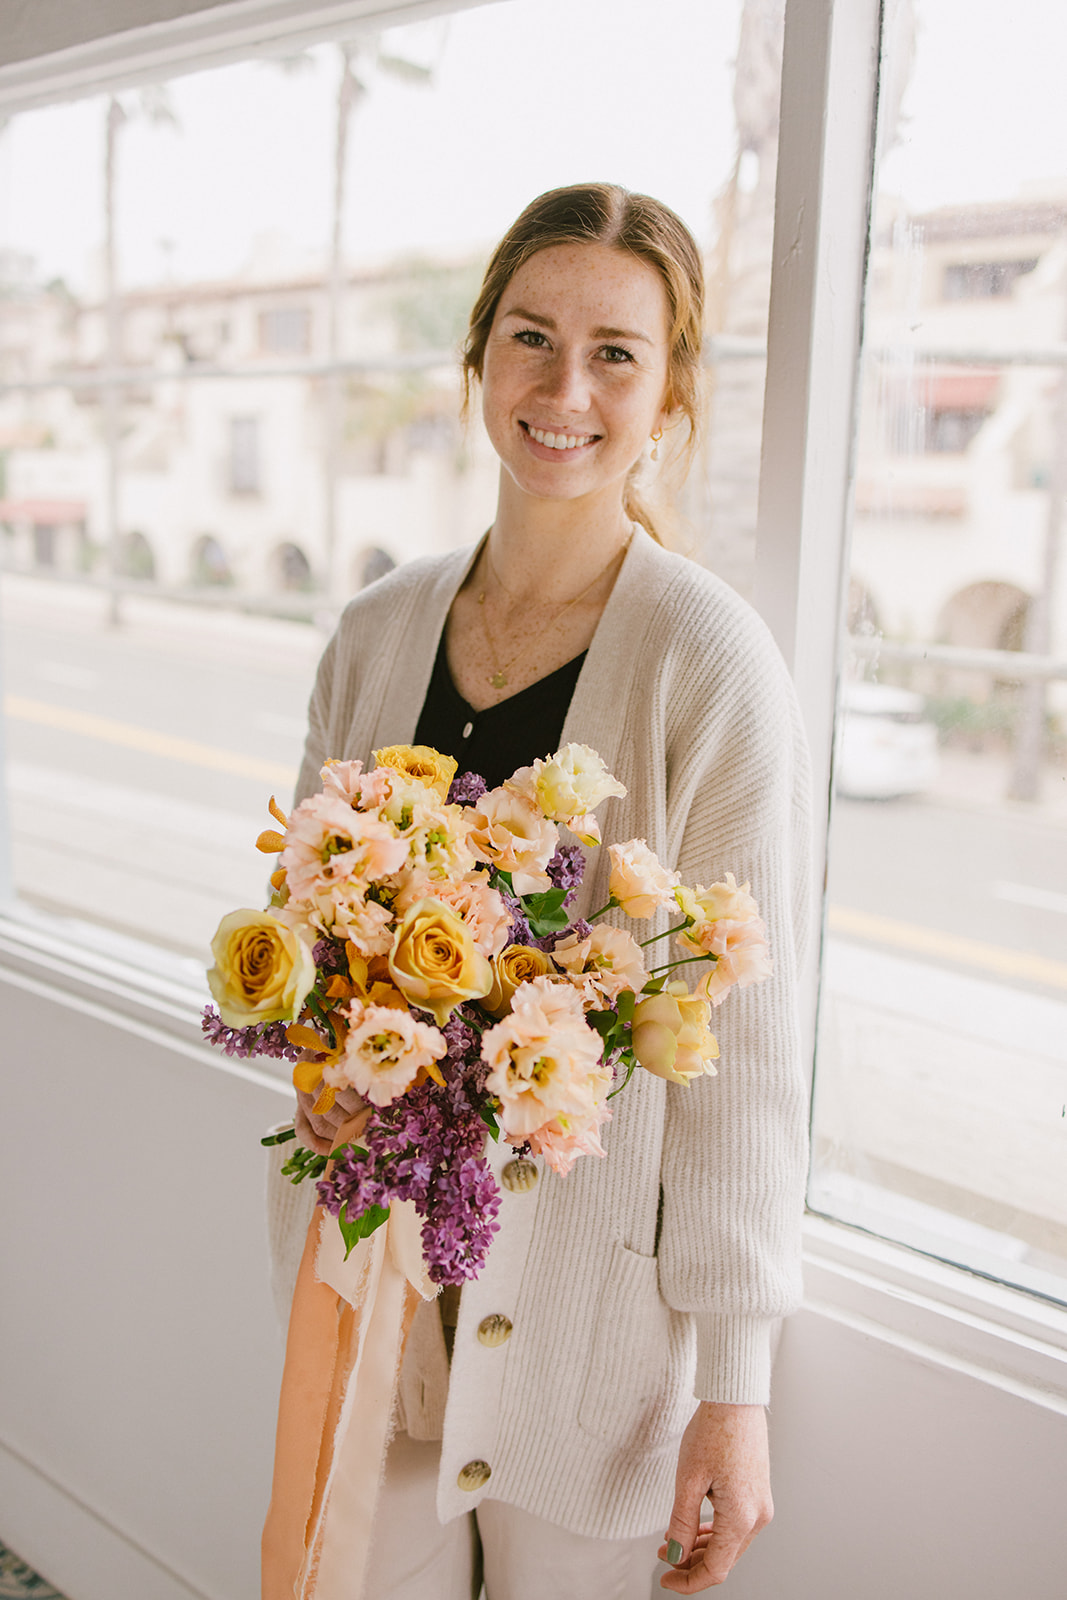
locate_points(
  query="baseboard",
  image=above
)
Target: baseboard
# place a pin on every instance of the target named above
(76, 1548)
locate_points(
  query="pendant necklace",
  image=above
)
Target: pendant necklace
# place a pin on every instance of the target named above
(499, 676)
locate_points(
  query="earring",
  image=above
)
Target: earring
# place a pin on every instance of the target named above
(656, 437)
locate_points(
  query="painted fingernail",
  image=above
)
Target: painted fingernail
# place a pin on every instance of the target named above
(674, 1552)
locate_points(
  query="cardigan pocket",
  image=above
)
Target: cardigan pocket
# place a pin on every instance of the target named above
(639, 1387)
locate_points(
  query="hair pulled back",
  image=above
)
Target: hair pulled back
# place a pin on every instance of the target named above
(605, 213)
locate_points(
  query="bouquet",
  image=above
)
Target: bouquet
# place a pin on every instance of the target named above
(418, 965)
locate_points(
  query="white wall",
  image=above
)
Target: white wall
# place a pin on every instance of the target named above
(899, 1479)
(141, 1352)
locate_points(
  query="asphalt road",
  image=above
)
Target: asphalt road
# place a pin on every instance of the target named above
(147, 753)
(139, 762)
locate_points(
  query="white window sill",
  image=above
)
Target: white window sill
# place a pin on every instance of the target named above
(938, 1313)
(129, 984)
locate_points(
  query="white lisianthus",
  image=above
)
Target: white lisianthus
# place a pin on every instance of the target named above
(567, 788)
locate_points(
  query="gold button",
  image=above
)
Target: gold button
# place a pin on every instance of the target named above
(494, 1330)
(519, 1175)
(474, 1474)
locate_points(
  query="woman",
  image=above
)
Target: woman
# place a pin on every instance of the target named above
(639, 1294)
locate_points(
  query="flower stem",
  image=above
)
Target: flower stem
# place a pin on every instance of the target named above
(679, 929)
(685, 962)
(612, 903)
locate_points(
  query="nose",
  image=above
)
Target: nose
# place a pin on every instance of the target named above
(565, 382)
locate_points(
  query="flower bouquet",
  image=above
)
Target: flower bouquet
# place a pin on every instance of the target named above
(418, 966)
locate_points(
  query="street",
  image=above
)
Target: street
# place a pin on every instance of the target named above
(139, 764)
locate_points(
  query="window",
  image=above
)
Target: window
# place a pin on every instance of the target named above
(285, 331)
(984, 280)
(244, 455)
(259, 414)
(942, 1035)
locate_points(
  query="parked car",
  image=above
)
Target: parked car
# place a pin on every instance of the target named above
(887, 747)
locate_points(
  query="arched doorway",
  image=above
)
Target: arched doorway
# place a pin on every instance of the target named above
(290, 569)
(209, 567)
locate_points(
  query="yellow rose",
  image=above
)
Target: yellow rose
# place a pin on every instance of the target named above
(434, 961)
(263, 971)
(670, 1035)
(421, 762)
(515, 965)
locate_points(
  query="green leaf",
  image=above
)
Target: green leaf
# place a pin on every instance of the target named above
(356, 1149)
(545, 912)
(631, 1063)
(625, 1004)
(603, 1021)
(487, 1112)
(362, 1227)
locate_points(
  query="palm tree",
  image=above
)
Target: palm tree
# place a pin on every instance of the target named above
(360, 61)
(152, 102)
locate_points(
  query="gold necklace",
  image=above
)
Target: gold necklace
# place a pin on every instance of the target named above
(499, 676)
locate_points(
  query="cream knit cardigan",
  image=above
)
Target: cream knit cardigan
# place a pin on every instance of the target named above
(657, 1274)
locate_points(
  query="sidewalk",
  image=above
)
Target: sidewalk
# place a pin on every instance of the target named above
(981, 783)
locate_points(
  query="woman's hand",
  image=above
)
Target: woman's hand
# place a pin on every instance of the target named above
(723, 1456)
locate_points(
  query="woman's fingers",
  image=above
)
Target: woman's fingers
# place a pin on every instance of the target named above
(723, 1456)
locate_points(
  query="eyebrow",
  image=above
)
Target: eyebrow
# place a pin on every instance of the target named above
(598, 333)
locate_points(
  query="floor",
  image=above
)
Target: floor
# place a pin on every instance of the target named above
(20, 1582)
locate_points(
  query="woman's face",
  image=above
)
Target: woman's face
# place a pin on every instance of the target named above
(575, 372)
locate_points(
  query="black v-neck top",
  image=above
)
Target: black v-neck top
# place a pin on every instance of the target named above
(496, 742)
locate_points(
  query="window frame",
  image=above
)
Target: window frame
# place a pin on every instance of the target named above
(937, 1311)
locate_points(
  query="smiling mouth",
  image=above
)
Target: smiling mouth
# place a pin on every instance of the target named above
(559, 441)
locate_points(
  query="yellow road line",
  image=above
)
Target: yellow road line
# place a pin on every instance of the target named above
(949, 946)
(842, 919)
(147, 740)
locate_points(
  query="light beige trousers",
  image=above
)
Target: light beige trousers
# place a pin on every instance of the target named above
(519, 1556)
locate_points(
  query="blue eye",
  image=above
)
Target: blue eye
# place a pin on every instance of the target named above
(615, 355)
(531, 337)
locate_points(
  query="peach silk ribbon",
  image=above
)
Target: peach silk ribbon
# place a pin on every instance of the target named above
(347, 1330)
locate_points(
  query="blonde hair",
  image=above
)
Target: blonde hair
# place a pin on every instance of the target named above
(605, 213)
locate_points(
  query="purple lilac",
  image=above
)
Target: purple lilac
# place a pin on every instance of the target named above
(519, 932)
(261, 1039)
(427, 1147)
(330, 956)
(567, 867)
(580, 929)
(466, 789)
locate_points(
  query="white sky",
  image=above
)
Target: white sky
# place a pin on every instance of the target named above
(527, 94)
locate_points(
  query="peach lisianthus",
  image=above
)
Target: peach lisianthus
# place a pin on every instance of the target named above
(329, 843)
(510, 833)
(344, 914)
(481, 908)
(639, 883)
(384, 1052)
(438, 840)
(344, 780)
(603, 964)
(742, 957)
(544, 1060)
(567, 788)
(564, 1139)
(670, 1035)
(723, 902)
